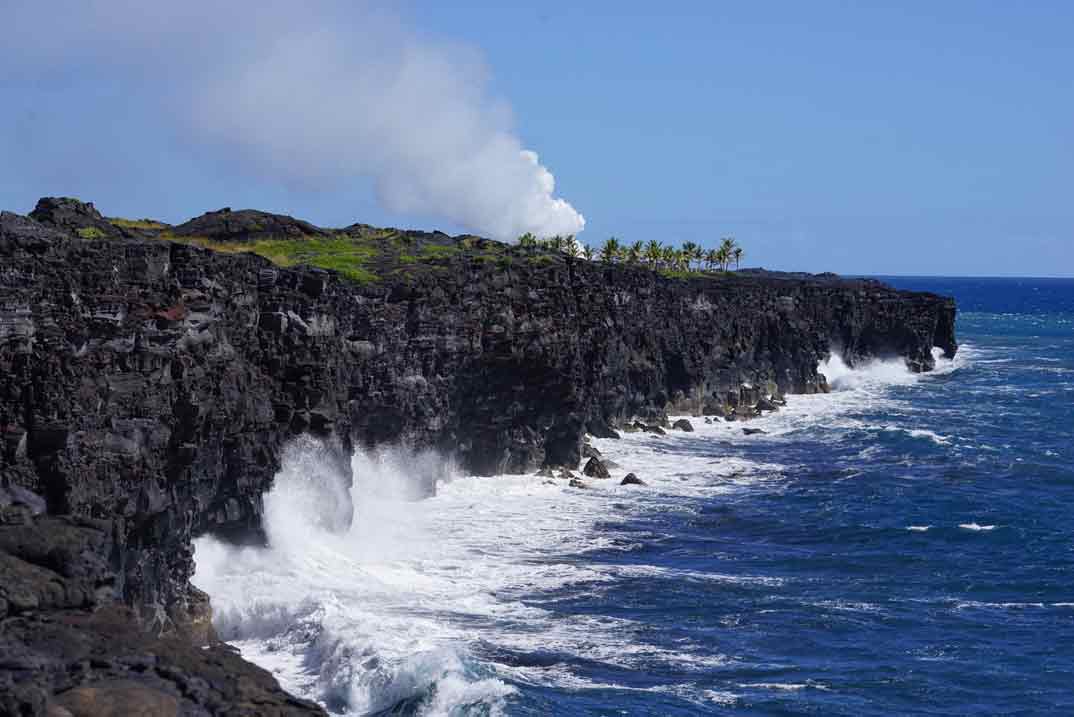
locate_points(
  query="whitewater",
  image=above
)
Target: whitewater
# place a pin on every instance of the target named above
(900, 545)
(421, 603)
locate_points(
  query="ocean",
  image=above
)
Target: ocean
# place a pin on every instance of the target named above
(903, 545)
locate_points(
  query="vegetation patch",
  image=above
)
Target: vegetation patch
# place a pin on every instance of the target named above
(146, 224)
(676, 274)
(432, 252)
(90, 233)
(346, 255)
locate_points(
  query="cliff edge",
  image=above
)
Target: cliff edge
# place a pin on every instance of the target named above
(150, 376)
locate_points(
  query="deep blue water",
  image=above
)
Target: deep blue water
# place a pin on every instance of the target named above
(845, 604)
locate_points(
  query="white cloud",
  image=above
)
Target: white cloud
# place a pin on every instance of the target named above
(315, 95)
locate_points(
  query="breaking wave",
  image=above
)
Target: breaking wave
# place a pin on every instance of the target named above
(421, 591)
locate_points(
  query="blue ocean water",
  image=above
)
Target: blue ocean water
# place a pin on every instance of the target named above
(904, 545)
(915, 554)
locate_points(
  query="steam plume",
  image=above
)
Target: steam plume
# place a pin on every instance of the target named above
(315, 95)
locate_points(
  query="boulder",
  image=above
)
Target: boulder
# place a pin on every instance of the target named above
(683, 425)
(577, 483)
(601, 429)
(766, 405)
(596, 469)
(752, 431)
(631, 479)
(589, 451)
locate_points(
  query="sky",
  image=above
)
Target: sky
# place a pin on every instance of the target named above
(916, 138)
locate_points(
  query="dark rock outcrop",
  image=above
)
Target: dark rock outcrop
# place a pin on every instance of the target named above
(631, 479)
(595, 468)
(683, 424)
(147, 387)
(246, 225)
(67, 641)
(766, 404)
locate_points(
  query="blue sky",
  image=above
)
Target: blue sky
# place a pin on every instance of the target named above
(897, 138)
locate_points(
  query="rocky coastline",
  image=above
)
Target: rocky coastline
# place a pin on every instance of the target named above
(151, 375)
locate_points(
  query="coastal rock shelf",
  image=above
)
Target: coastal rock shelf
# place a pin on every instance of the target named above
(148, 385)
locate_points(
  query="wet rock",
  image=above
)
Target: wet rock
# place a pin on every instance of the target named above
(114, 698)
(631, 479)
(596, 469)
(752, 431)
(765, 404)
(577, 483)
(598, 428)
(589, 451)
(683, 425)
(100, 663)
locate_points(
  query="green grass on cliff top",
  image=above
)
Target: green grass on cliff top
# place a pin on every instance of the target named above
(361, 254)
(349, 256)
(149, 224)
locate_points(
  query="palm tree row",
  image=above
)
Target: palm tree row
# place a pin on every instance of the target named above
(654, 254)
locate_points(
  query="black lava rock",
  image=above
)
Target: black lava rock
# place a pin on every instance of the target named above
(595, 469)
(151, 385)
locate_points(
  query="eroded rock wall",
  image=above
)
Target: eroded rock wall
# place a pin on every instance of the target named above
(148, 387)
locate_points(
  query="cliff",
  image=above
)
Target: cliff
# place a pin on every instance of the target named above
(150, 375)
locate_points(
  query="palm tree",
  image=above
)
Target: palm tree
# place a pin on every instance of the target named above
(688, 249)
(610, 251)
(737, 253)
(634, 252)
(727, 245)
(653, 253)
(571, 248)
(712, 258)
(668, 257)
(587, 253)
(527, 240)
(723, 256)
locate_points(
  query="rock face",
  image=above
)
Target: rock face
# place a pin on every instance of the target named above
(148, 387)
(594, 468)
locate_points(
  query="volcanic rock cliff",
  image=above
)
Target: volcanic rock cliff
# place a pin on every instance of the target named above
(148, 385)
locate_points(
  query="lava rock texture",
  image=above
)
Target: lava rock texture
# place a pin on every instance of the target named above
(148, 387)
